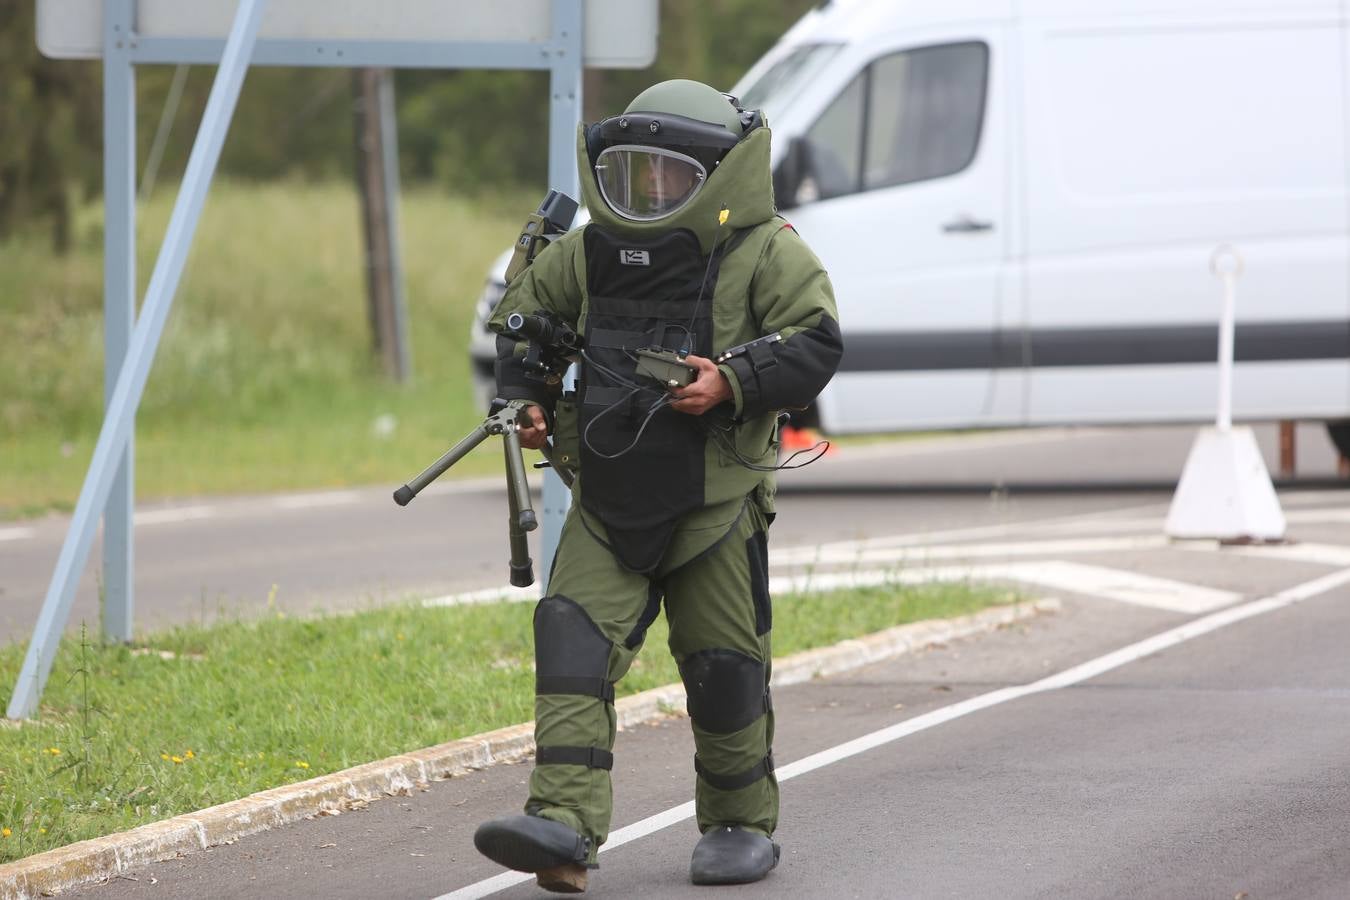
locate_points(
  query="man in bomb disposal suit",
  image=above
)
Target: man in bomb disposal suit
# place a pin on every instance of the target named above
(684, 259)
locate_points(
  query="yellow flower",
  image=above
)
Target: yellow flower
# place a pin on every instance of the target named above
(5, 832)
(42, 831)
(54, 751)
(190, 755)
(177, 759)
(302, 764)
(164, 756)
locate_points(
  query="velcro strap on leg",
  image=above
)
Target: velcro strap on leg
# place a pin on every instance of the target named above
(738, 781)
(590, 757)
(575, 684)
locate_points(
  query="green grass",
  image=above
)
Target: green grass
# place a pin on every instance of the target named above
(264, 379)
(203, 715)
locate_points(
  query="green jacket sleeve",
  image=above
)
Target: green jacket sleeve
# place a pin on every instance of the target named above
(790, 293)
(551, 284)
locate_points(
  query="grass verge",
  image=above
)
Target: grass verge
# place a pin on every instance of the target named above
(264, 379)
(201, 715)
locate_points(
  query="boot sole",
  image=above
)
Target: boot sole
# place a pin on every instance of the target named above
(566, 879)
(510, 849)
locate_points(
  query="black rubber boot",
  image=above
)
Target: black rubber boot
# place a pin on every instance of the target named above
(730, 855)
(556, 853)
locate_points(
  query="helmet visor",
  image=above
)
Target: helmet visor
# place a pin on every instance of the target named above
(646, 183)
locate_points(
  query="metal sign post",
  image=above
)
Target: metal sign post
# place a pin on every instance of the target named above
(508, 34)
(119, 307)
(114, 438)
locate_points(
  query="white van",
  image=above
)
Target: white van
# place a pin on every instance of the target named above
(1017, 201)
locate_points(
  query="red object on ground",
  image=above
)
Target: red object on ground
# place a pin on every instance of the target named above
(800, 439)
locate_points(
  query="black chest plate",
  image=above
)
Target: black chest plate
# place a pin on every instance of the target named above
(643, 463)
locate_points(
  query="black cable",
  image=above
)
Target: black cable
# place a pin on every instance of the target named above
(661, 402)
(622, 379)
(729, 446)
(702, 289)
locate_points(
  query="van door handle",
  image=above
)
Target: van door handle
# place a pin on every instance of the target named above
(966, 225)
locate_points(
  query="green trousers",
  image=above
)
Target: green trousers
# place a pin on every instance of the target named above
(714, 584)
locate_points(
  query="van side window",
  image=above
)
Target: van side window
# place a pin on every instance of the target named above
(907, 117)
(836, 143)
(925, 108)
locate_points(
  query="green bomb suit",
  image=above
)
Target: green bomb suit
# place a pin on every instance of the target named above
(682, 516)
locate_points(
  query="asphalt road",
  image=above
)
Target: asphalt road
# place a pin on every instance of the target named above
(1078, 755)
(197, 559)
(1059, 758)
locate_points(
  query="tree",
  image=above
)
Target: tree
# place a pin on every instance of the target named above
(463, 128)
(49, 114)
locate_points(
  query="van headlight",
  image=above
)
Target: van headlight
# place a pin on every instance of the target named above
(488, 300)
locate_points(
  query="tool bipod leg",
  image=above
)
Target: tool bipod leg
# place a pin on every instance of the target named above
(403, 496)
(522, 567)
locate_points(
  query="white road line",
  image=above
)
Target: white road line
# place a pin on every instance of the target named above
(1066, 678)
(15, 534)
(312, 501)
(953, 442)
(1086, 523)
(1097, 581)
(1323, 554)
(487, 595)
(178, 514)
(1114, 584)
(860, 552)
(1315, 516)
(1310, 498)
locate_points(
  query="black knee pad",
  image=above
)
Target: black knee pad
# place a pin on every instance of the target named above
(726, 689)
(571, 654)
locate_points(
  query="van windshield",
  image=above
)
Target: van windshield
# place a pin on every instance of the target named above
(773, 90)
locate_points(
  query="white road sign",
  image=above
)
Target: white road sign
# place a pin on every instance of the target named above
(619, 33)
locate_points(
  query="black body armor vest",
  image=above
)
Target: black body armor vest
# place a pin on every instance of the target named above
(641, 293)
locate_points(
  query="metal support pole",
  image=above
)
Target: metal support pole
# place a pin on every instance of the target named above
(130, 385)
(389, 156)
(564, 114)
(1226, 265)
(166, 117)
(377, 180)
(119, 305)
(1288, 450)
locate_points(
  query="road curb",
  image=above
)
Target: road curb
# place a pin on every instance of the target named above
(107, 857)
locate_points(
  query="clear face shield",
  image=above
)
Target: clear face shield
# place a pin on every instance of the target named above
(647, 183)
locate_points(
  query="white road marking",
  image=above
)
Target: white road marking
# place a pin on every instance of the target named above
(488, 595)
(1079, 524)
(312, 501)
(1096, 581)
(1319, 514)
(1311, 498)
(1114, 584)
(953, 442)
(1324, 554)
(860, 552)
(177, 514)
(15, 534)
(1066, 678)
